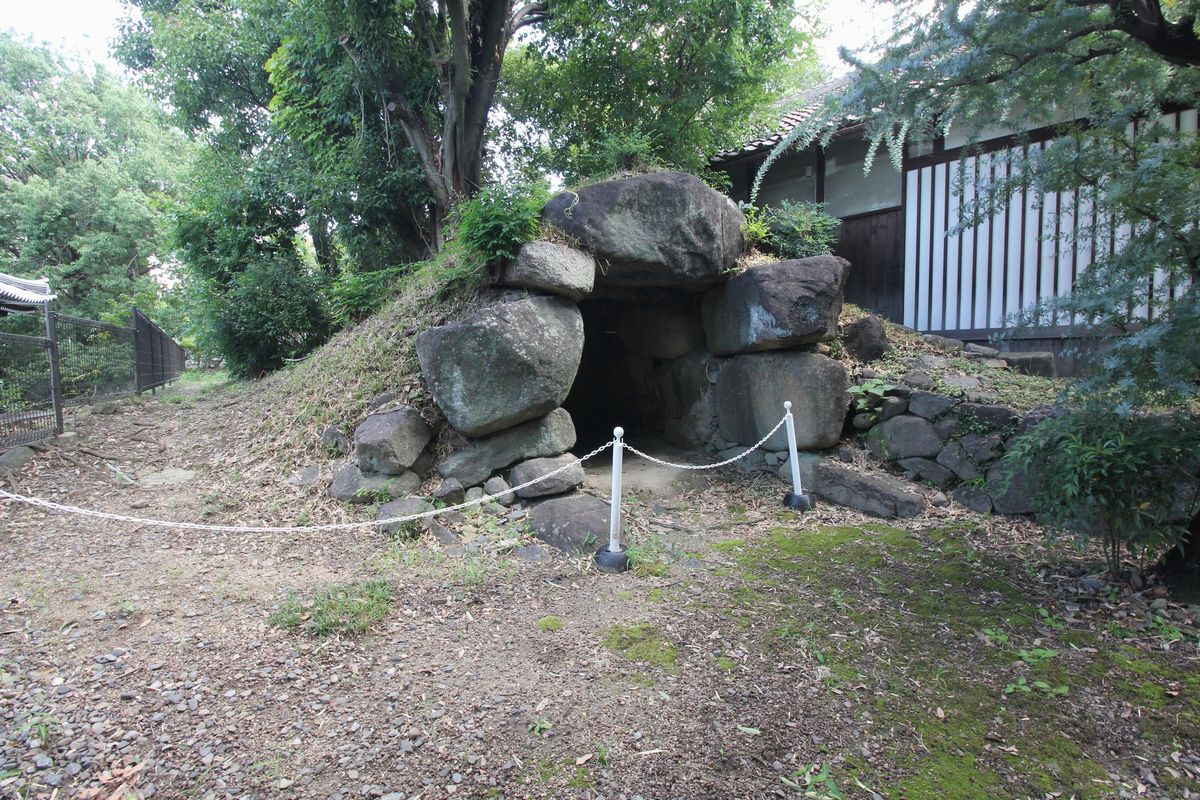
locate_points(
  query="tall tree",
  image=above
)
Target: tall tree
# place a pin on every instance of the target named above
(673, 82)
(89, 172)
(1100, 73)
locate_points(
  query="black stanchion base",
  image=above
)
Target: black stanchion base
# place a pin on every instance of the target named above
(800, 502)
(610, 562)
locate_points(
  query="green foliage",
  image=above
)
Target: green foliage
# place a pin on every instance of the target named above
(355, 295)
(1113, 477)
(550, 623)
(343, 609)
(493, 225)
(756, 226)
(869, 393)
(615, 86)
(800, 230)
(270, 313)
(1003, 65)
(91, 170)
(814, 781)
(540, 727)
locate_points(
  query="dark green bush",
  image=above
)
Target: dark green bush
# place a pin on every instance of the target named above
(1119, 478)
(493, 225)
(274, 311)
(355, 295)
(800, 230)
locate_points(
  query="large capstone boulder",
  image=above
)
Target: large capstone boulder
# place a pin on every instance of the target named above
(905, 436)
(773, 306)
(550, 435)
(752, 388)
(352, 485)
(504, 364)
(553, 268)
(390, 442)
(877, 495)
(661, 229)
(538, 469)
(575, 523)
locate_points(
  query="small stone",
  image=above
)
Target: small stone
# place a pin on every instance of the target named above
(918, 380)
(943, 343)
(335, 440)
(498, 487)
(42, 761)
(928, 405)
(981, 350)
(450, 492)
(939, 500)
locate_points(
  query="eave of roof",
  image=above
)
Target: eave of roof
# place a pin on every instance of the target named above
(802, 106)
(22, 293)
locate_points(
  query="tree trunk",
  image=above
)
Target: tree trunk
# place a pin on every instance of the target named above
(320, 228)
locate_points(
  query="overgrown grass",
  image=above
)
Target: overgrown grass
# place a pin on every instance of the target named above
(345, 609)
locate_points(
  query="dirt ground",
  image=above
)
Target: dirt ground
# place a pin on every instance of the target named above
(752, 654)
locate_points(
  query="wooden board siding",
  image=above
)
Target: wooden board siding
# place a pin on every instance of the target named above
(958, 278)
(873, 245)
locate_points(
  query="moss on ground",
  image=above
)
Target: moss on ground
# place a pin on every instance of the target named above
(930, 678)
(644, 643)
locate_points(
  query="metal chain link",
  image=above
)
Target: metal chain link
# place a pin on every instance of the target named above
(727, 461)
(199, 526)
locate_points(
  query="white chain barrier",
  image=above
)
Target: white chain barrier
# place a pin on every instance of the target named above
(724, 463)
(334, 526)
(614, 546)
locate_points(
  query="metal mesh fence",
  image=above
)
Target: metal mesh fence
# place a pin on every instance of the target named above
(26, 404)
(159, 358)
(96, 360)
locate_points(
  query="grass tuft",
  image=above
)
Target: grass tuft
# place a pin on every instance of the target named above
(344, 609)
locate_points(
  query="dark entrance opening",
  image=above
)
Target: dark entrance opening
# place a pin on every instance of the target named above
(624, 374)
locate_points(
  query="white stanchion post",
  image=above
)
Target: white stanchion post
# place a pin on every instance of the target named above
(796, 498)
(613, 557)
(614, 514)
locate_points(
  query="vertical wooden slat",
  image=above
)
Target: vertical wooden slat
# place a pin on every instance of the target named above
(953, 243)
(983, 248)
(925, 261)
(937, 240)
(912, 209)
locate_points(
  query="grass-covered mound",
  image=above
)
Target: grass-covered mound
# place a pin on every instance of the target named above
(335, 384)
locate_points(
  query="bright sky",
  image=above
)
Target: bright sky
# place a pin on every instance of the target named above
(86, 28)
(81, 28)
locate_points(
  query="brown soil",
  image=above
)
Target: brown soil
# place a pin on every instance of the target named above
(138, 661)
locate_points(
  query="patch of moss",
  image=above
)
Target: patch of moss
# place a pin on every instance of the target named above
(642, 642)
(550, 623)
(726, 664)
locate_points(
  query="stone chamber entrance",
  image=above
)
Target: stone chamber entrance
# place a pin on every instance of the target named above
(638, 351)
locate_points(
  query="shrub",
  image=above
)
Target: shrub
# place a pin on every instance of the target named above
(800, 230)
(355, 295)
(756, 227)
(1118, 478)
(274, 311)
(493, 225)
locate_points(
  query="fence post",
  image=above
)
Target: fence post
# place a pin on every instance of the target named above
(614, 557)
(796, 498)
(56, 393)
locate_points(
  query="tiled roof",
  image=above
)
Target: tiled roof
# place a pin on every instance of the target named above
(22, 293)
(801, 106)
